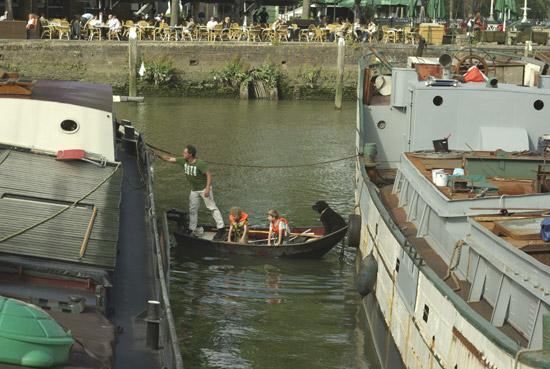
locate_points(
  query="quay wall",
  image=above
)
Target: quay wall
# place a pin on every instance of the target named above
(308, 69)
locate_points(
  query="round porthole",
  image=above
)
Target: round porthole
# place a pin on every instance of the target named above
(538, 105)
(438, 100)
(69, 126)
(381, 124)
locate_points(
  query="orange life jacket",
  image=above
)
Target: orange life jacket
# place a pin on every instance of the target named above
(277, 222)
(240, 222)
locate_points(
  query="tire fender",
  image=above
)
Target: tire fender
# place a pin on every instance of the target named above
(365, 279)
(354, 230)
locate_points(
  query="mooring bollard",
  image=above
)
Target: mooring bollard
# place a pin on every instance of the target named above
(153, 324)
(340, 74)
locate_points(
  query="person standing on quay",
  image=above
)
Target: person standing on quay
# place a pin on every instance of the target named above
(200, 179)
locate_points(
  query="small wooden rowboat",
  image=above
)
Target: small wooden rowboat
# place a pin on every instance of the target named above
(305, 242)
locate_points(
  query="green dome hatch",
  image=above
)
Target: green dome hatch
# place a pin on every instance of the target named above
(30, 336)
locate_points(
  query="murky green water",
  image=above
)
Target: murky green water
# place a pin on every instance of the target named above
(258, 313)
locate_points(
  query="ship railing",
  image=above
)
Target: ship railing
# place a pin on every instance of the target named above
(169, 350)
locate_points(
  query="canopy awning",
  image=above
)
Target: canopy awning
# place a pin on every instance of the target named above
(504, 5)
(351, 3)
(436, 9)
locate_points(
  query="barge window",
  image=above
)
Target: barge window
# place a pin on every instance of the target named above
(381, 124)
(438, 100)
(397, 265)
(69, 126)
(538, 105)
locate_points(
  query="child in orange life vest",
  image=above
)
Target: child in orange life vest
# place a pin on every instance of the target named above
(278, 226)
(238, 226)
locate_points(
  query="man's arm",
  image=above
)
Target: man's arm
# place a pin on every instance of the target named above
(167, 158)
(208, 184)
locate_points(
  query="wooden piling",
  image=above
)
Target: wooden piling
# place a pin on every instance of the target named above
(340, 73)
(132, 63)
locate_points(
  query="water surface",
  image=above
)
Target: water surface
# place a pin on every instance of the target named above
(257, 313)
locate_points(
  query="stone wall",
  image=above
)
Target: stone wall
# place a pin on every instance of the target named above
(308, 69)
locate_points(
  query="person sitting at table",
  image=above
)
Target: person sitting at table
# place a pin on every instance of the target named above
(188, 27)
(370, 31)
(32, 24)
(344, 29)
(238, 226)
(278, 22)
(278, 228)
(75, 28)
(226, 24)
(113, 23)
(211, 24)
(94, 22)
(85, 18)
(357, 28)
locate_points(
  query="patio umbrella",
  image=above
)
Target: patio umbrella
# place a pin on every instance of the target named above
(411, 11)
(502, 6)
(436, 9)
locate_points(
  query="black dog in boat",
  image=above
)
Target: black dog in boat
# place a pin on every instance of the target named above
(332, 221)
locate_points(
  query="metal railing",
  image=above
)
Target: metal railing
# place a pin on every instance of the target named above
(169, 351)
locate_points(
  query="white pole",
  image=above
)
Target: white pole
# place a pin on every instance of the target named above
(340, 73)
(504, 22)
(524, 19)
(491, 11)
(132, 62)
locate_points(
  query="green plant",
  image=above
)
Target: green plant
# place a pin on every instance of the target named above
(267, 73)
(233, 74)
(311, 76)
(160, 72)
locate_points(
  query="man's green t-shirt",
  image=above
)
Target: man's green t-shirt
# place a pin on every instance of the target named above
(195, 173)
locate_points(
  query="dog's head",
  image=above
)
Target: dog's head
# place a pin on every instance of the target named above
(319, 206)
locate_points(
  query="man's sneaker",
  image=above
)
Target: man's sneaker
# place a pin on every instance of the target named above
(220, 234)
(198, 232)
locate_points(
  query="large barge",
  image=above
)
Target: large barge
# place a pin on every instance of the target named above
(84, 261)
(451, 262)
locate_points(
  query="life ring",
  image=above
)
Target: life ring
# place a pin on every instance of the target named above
(354, 230)
(365, 279)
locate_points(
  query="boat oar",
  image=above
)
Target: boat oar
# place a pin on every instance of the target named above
(88, 233)
(312, 235)
(301, 234)
(257, 241)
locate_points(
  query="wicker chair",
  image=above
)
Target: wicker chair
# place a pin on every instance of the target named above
(113, 33)
(235, 32)
(307, 34)
(254, 33)
(126, 28)
(48, 30)
(93, 33)
(64, 30)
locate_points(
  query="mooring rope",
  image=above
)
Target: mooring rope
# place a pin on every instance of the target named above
(257, 166)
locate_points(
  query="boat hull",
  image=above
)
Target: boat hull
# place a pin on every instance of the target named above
(306, 250)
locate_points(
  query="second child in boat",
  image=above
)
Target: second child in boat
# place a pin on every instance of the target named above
(238, 226)
(278, 228)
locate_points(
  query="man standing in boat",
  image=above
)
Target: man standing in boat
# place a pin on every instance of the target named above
(200, 179)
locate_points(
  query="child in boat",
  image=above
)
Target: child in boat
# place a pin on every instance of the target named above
(278, 228)
(238, 226)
